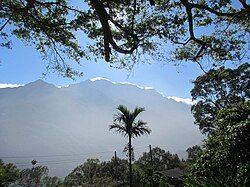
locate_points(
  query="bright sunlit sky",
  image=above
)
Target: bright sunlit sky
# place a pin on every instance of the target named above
(23, 64)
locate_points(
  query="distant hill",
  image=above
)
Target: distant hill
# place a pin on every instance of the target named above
(60, 127)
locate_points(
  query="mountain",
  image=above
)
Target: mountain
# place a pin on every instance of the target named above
(61, 127)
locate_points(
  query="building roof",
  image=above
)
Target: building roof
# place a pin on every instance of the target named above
(175, 173)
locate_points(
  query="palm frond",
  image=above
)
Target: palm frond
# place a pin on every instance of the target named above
(119, 128)
(126, 123)
(119, 117)
(136, 112)
(139, 128)
(124, 110)
(124, 115)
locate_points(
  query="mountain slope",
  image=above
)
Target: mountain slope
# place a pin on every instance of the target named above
(65, 125)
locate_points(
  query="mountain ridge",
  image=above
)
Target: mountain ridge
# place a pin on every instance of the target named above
(41, 119)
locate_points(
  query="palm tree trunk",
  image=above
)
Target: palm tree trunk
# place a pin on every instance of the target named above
(130, 160)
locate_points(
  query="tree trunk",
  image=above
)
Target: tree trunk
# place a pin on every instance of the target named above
(130, 160)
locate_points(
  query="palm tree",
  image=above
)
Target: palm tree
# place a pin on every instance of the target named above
(125, 123)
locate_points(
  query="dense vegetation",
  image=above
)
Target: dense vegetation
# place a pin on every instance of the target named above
(223, 113)
(93, 172)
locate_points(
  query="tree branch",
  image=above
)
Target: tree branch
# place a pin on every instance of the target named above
(204, 7)
(244, 4)
(44, 29)
(108, 37)
(59, 4)
(7, 21)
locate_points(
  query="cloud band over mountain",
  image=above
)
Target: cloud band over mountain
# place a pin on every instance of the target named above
(178, 99)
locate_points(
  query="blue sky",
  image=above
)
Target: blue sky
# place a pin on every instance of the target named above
(23, 64)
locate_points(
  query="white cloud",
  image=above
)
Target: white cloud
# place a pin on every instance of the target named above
(99, 78)
(64, 86)
(148, 88)
(178, 99)
(126, 83)
(183, 100)
(5, 85)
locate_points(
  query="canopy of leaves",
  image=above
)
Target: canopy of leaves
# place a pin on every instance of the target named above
(148, 178)
(47, 26)
(123, 31)
(216, 90)
(116, 173)
(8, 173)
(37, 176)
(193, 152)
(153, 165)
(158, 159)
(222, 110)
(94, 172)
(226, 156)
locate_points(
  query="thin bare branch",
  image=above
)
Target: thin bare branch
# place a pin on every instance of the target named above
(7, 21)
